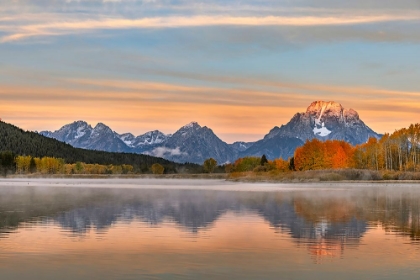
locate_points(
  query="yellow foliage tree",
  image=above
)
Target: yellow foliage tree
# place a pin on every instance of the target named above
(209, 165)
(281, 165)
(157, 168)
(23, 164)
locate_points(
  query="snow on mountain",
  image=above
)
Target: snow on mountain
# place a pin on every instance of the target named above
(191, 125)
(145, 141)
(127, 138)
(241, 146)
(322, 120)
(194, 143)
(80, 134)
(151, 138)
(70, 133)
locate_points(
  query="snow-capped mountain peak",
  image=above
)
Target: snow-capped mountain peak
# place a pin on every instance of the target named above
(318, 108)
(194, 143)
(191, 125)
(326, 120)
(127, 138)
(102, 126)
(151, 138)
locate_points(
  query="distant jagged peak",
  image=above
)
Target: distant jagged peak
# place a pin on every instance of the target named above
(318, 108)
(153, 132)
(191, 125)
(127, 135)
(79, 123)
(351, 114)
(100, 124)
(102, 127)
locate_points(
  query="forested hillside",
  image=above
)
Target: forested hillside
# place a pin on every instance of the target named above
(21, 142)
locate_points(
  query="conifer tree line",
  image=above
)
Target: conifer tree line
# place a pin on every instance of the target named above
(16, 142)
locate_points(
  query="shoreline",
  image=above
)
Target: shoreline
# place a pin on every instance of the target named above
(197, 184)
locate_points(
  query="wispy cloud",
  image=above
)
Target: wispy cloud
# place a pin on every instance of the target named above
(162, 63)
(55, 28)
(138, 106)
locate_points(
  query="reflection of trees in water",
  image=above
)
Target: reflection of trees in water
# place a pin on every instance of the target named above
(192, 210)
(396, 212)
(324, 221)
(319, 226)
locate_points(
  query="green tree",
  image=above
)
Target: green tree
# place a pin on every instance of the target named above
(264, 160)
(32, 165)
(79, 167)
(7, 162)
(246, 164)
(157, 168)
(209, 165)
(292, 163)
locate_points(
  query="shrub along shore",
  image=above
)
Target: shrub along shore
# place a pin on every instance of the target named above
(331, 175)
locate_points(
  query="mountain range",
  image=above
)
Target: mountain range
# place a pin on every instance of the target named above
(195, 143)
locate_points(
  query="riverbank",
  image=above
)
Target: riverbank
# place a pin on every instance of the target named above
(213, 176)
(196, 184)
(333, 175)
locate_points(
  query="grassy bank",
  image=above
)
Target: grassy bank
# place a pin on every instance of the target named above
(323, 175)
(220, 176)
(271, 176)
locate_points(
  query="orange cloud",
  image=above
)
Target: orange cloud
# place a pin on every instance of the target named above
(237, 112)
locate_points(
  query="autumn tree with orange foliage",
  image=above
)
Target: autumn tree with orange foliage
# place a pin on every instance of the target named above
(317, 155)
(399, 151)
(281, 165)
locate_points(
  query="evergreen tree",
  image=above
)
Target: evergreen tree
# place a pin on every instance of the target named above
(264, 160)
(292, 164)
(32, 166)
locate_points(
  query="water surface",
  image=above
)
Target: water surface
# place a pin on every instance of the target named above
(336, 232)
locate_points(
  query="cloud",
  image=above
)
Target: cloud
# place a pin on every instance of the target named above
(74, 26)
(165, 152)
(231, 112)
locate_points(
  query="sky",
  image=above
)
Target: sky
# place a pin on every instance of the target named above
(238, 67)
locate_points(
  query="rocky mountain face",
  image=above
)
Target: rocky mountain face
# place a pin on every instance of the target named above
(191, 143)
(272, 148)
(241, 146)
(144, 142)
(194, 143)
(322, 120)
(326, 121)
(80, 134)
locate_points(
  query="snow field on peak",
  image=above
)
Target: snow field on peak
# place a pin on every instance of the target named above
(320, 128)
(323, 131)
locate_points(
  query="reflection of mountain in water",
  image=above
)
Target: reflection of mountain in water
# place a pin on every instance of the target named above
(326, 221)
(189, 209)
(197, 210)
(286, 217)
(324, 237)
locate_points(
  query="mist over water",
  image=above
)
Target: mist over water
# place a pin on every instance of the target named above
(175, 233)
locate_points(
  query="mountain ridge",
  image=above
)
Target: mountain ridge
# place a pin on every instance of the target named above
(195, 143)
(21, 142)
